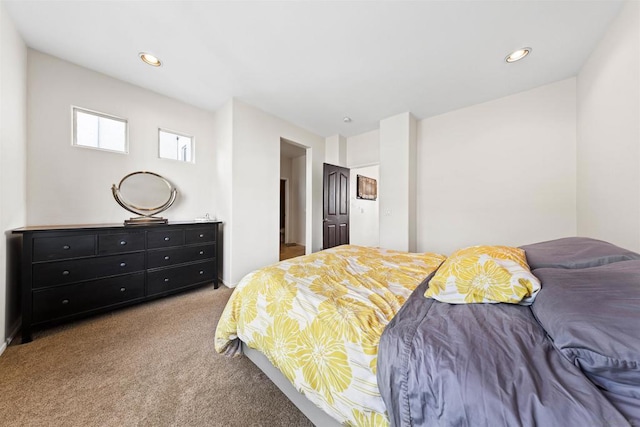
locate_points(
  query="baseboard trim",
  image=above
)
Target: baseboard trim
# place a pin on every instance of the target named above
(227, 284)
(10, 338)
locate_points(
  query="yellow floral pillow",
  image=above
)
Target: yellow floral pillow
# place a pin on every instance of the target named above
(488, 274)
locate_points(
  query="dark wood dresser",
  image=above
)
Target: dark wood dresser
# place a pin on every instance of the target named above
(74, 271)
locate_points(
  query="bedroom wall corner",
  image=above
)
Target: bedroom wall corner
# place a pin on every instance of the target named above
(223, 185)
(500, 172)
(608, 155)
(397, 193)
(256, 173)
(13, 148)
(336, 150)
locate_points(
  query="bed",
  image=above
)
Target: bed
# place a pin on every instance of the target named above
(318, 319)
(388, 355)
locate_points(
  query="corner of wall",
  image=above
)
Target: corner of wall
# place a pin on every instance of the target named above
(13, 148)
(413, 168)
(397, 145)
(336, 150)
(608, 134)
(223, 185)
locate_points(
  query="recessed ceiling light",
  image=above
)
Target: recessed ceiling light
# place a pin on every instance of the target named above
(150, 59)
(346, 119)
(518, 54)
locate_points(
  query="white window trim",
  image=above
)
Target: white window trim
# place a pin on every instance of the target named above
(74, 142)
(186, 135)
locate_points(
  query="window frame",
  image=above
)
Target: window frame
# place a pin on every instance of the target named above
(74, 135)
(183, 134)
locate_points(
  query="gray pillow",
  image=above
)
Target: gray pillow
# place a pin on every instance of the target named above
(575, 252)
(593, 317)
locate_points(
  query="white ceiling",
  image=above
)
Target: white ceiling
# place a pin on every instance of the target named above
(314, 62)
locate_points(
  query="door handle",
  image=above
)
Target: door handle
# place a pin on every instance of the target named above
(325, 220)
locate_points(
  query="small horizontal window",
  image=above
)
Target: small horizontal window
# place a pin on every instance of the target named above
(96, 130)
(175, 146)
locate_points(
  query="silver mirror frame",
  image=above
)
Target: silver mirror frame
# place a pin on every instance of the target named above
(146, 214)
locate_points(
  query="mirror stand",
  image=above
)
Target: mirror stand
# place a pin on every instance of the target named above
(146, 220)
(145, 194)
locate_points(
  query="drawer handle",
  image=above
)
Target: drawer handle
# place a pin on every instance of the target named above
(123, 264)
(65, 301)
(66, 247)
(123, 289)
(65, 273)
(201, 271)
(166, 280)
(166, 239)
(201, 252)
(166, 257)
(123, 242)
(202, 235)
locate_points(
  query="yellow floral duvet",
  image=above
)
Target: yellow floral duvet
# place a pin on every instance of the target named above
(318, 318)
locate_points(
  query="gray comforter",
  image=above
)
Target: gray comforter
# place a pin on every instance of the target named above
(481, 365)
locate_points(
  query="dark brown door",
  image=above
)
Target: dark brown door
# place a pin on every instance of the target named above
(335, 227)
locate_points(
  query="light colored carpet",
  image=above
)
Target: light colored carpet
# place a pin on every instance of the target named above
(147, 365)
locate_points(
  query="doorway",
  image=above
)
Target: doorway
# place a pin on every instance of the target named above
(293, 199)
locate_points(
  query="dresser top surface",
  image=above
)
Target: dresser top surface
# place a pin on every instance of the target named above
(71, 227)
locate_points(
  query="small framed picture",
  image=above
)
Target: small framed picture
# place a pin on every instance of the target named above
(367, 188)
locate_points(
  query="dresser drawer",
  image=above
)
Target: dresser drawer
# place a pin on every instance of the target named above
(54, 303)
(120, 243)
(62, 272)
(51, 248)
(165, 238)
(199, 235)
(167, 257)
(168, 279)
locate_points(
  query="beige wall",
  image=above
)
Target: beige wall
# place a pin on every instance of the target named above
(13, 147)
(363, 157)
(285, 167)
(298, 191)
(363, 149)
(293, 170)
(397, 200)
(502, 172)
(336, 150)
(609, 135)
(222, 182)
(364, 214)
(71, 185)
(255, 156)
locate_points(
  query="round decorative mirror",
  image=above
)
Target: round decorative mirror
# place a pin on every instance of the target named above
(145, 194)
